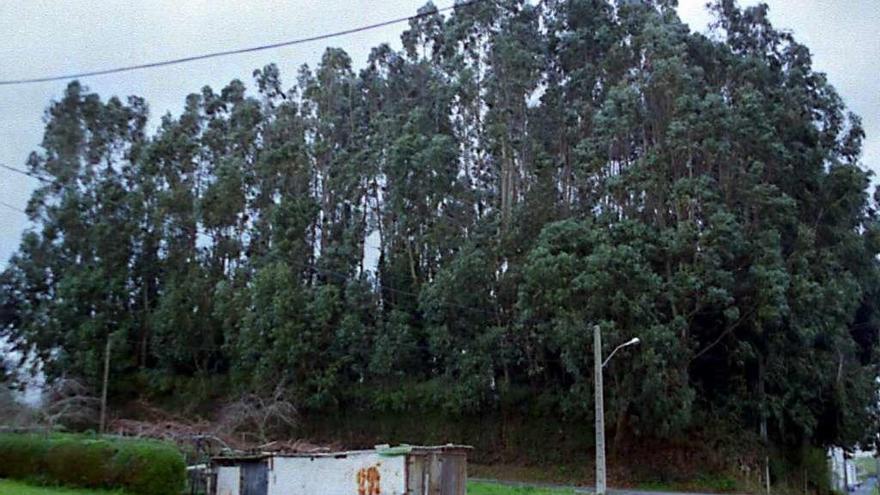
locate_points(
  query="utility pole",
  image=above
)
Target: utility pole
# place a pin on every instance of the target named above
(600, 413)
(103, 423)
(763, 426)
(601, 483)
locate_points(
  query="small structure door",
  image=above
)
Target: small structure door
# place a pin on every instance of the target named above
(255, 478)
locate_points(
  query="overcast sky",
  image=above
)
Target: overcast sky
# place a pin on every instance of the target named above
(44, 37)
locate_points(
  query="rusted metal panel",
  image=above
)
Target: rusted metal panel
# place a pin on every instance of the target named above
(416, 474)
(437, 471)
(435, 476)
(365, 473)
(453, 473)
(228, 480)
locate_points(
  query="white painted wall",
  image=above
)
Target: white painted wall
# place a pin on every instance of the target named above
(329, 475)
(228, 480)
(838, 466)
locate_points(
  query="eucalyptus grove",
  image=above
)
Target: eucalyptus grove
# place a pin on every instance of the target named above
(440, 228)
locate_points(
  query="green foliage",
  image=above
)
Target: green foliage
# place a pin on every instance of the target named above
(717, 483)
(23, 456)
(792, 469)
(866, 467)
(137, 466)
(477, 488)
(440, 230)
(10, 487)
(78, 462)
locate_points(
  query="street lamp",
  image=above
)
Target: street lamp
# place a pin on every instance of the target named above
(633, 341)
(600, 405)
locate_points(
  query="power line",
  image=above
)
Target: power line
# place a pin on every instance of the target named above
(150, 65)
(11, 207)
(24, 172)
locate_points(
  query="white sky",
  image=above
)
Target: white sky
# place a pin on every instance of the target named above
(42, 37)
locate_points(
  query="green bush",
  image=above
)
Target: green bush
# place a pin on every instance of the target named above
(140, 467)
(78, 462)
(21, 457)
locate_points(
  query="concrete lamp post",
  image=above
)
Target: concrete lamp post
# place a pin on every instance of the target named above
(601, 485)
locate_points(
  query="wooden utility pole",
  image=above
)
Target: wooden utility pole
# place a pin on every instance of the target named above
(103, 423)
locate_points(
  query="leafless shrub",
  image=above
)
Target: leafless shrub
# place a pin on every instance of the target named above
(12, 413)
(258, 415)
(7, 401)
(69, 404)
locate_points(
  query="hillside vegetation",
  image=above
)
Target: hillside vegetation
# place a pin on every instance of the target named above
(438, 231)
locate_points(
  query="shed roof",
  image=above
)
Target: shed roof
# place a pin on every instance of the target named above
(383, 450)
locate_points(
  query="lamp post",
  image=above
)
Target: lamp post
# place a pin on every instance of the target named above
(601, 485)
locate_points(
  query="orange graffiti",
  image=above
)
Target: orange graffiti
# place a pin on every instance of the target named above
(368, 481)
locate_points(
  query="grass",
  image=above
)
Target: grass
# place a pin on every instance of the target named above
(475, 488)
(9, 487)
(866, 466)
(571, 474)
(716, 483)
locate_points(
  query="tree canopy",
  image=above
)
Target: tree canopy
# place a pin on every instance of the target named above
(442, 227)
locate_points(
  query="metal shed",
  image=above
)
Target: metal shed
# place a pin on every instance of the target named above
(403, 470)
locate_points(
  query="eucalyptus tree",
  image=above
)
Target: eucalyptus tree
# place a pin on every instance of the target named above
(440, 228)
(73, 275)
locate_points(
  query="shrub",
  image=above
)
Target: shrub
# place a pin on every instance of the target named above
(142, 467)
(21, 456)
(78, 462)
(149, 467)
